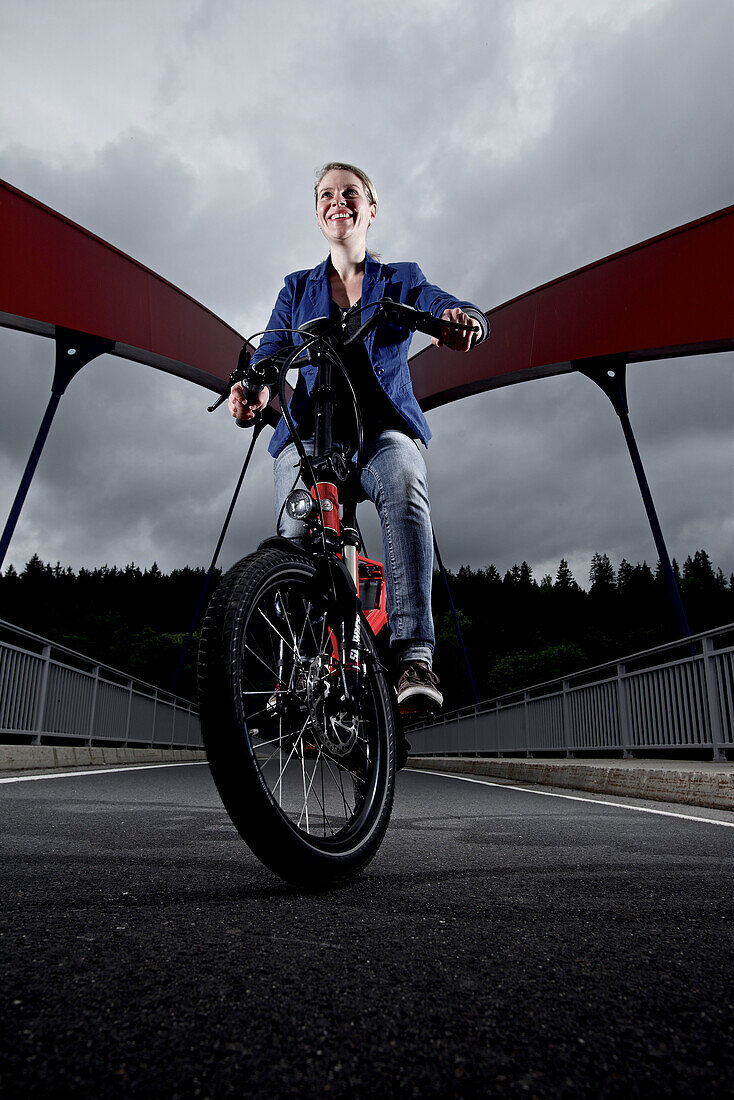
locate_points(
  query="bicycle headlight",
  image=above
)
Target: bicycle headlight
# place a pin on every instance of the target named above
(300, 504)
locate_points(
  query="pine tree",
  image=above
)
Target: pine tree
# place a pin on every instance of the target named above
(34, 569)
(492, 575)
(511, 578)
(700, 569)
(624, 575)
(564, 577)
(642, 577)
(525, 578)
(601, 574)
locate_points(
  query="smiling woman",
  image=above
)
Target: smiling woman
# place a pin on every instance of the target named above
(323, 189)
(392, 472)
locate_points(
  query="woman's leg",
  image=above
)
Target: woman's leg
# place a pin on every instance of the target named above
(285, 473)
(394, 477)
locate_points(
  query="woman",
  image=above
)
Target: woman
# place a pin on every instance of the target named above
(394, 473)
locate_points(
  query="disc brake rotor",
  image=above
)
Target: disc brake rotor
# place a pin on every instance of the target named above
(334, 723)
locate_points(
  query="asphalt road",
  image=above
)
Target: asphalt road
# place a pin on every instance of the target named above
(503, 943)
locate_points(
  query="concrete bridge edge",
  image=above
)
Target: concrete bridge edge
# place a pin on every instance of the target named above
(33, 758)
(691, 782)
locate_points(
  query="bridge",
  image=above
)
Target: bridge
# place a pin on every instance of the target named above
(662, 298)
(510, 937)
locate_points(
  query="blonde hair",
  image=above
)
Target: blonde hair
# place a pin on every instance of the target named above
(334, 165)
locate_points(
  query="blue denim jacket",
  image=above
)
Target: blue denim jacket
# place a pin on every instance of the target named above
(307, 294)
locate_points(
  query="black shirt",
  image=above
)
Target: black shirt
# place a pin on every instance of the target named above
(377, 411)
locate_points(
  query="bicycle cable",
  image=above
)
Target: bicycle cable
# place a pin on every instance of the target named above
(298, 442)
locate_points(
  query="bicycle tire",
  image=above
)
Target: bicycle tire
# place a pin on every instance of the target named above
(320, 816)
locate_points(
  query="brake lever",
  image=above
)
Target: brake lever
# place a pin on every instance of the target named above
(239, 374)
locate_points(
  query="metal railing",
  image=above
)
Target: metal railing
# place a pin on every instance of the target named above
(678, 696)
(51, 694)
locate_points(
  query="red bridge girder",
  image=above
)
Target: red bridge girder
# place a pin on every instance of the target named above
(54, 272)
(667, 296)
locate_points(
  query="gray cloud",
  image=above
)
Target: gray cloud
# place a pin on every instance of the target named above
(510, 143)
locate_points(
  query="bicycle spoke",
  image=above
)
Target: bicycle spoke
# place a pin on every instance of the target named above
(297, 758)
(306, 621)
(284, 606)
(309, 623)
(278, 634)
(290, 754)
(322, 801)
(308, 792)
(273, 741)
(262, 661)
(305, 796)
(292, 680)
(255, 714)
(338, 781)
(322, 804)
(279, 787)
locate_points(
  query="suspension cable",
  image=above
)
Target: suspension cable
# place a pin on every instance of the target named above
(454, 615)
(258, 427)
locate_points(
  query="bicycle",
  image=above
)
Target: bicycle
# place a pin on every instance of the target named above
(298, 717)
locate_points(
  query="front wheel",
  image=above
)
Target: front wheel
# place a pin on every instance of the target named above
(300, 746)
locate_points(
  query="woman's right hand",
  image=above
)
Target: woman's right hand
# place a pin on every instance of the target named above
(239, 408)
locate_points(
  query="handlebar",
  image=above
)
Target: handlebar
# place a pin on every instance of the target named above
(254, 376)
(417, 320)
(252, 379)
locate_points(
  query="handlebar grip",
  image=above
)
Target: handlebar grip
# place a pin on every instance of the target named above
(435, 326)
(480, 321)
(252, 393)
(401, 313)
(430, 325)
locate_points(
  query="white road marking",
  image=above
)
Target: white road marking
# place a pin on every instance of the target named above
(576, 798)
(100, 771)
(446, 775)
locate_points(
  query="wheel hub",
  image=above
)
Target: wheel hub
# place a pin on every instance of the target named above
(333, 719)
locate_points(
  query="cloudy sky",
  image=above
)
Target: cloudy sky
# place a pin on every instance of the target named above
(511, 141)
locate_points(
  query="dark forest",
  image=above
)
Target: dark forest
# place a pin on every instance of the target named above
(518, 630)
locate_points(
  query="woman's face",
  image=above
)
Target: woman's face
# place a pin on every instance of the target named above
(343, 211)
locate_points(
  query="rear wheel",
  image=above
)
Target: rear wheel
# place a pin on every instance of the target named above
(300, 746)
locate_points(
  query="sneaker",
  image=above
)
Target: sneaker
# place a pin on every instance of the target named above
(418, 687)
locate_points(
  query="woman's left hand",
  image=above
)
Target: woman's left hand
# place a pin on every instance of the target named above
(457, 341)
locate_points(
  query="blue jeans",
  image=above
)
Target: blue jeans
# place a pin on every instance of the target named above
(394, 478)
